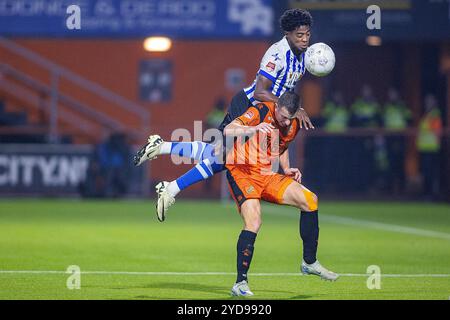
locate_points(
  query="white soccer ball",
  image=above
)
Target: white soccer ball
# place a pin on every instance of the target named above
(320, 59)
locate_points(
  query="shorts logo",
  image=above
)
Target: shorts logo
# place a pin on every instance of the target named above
(270, 66)
(249, 115)
(250, 189)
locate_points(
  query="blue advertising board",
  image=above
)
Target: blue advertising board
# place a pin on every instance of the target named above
(136, 18)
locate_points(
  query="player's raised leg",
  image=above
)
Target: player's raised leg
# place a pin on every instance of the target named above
(300, 197)
(156, 146)
(167, 191)
(164, 200)
(149, 151)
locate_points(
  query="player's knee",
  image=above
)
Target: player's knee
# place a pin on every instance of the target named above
(251, 214)
(254, 225)
(310, 201)
(253, 221)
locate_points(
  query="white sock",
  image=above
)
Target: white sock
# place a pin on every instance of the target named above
(166, 147)
(173, 188)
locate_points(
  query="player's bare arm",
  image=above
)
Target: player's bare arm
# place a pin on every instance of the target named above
(263, 91)
(236, 128)
(304, 120)
(302, 115)
(294, 173)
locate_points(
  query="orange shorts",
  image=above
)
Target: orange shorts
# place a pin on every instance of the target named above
(249, 185)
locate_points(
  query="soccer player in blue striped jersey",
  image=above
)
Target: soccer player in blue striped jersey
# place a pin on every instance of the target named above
(281, 68)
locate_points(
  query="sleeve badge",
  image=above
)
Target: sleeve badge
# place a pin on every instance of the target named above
(270, 66)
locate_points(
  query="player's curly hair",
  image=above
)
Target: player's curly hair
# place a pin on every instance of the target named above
(291, 101)
(295, 18)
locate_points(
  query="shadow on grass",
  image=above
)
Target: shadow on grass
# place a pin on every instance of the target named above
(301, 297)
(222, 292)
(177, 286)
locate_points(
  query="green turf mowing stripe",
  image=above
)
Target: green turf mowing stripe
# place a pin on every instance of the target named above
(368, 224)
(276, 274)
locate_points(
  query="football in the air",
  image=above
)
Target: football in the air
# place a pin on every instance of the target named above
(320, 59)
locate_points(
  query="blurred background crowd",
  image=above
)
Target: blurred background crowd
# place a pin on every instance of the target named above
(364, 145)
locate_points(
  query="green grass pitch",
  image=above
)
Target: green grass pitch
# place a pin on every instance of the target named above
(125, 253)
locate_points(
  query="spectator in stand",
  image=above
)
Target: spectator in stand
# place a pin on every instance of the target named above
(335, 116)
(429, 147)
(365, 113)
(396, 119)
(216, 115)
(109, 169)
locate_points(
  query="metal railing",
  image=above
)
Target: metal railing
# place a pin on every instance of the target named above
(57, 98)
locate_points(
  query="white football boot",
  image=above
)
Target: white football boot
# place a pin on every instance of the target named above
(165, 200)
(241, 289)
(150, 151)
(317, 269)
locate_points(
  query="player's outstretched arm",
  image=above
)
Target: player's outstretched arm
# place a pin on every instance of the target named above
(263, 93)
(237, 129)
(304, 120)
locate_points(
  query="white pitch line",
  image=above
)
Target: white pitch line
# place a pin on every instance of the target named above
(280, 274)
(367, 224)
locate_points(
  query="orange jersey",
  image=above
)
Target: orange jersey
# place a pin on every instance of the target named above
(258, 151)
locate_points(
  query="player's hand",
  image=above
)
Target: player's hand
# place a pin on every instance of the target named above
(304, 119)
(265, 127)
(294, 173)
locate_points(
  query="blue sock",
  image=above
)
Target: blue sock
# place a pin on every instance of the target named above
(193, 150)
(202, 171)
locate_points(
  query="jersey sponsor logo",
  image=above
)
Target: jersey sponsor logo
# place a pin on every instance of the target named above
(249, 115)
(250, 189)
(276, 57)
(270, 66)
(294, 76)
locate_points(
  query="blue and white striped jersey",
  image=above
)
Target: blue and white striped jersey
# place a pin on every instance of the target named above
(282, 67)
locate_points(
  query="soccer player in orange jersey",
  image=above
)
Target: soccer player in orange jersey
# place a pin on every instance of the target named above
(259, 136)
